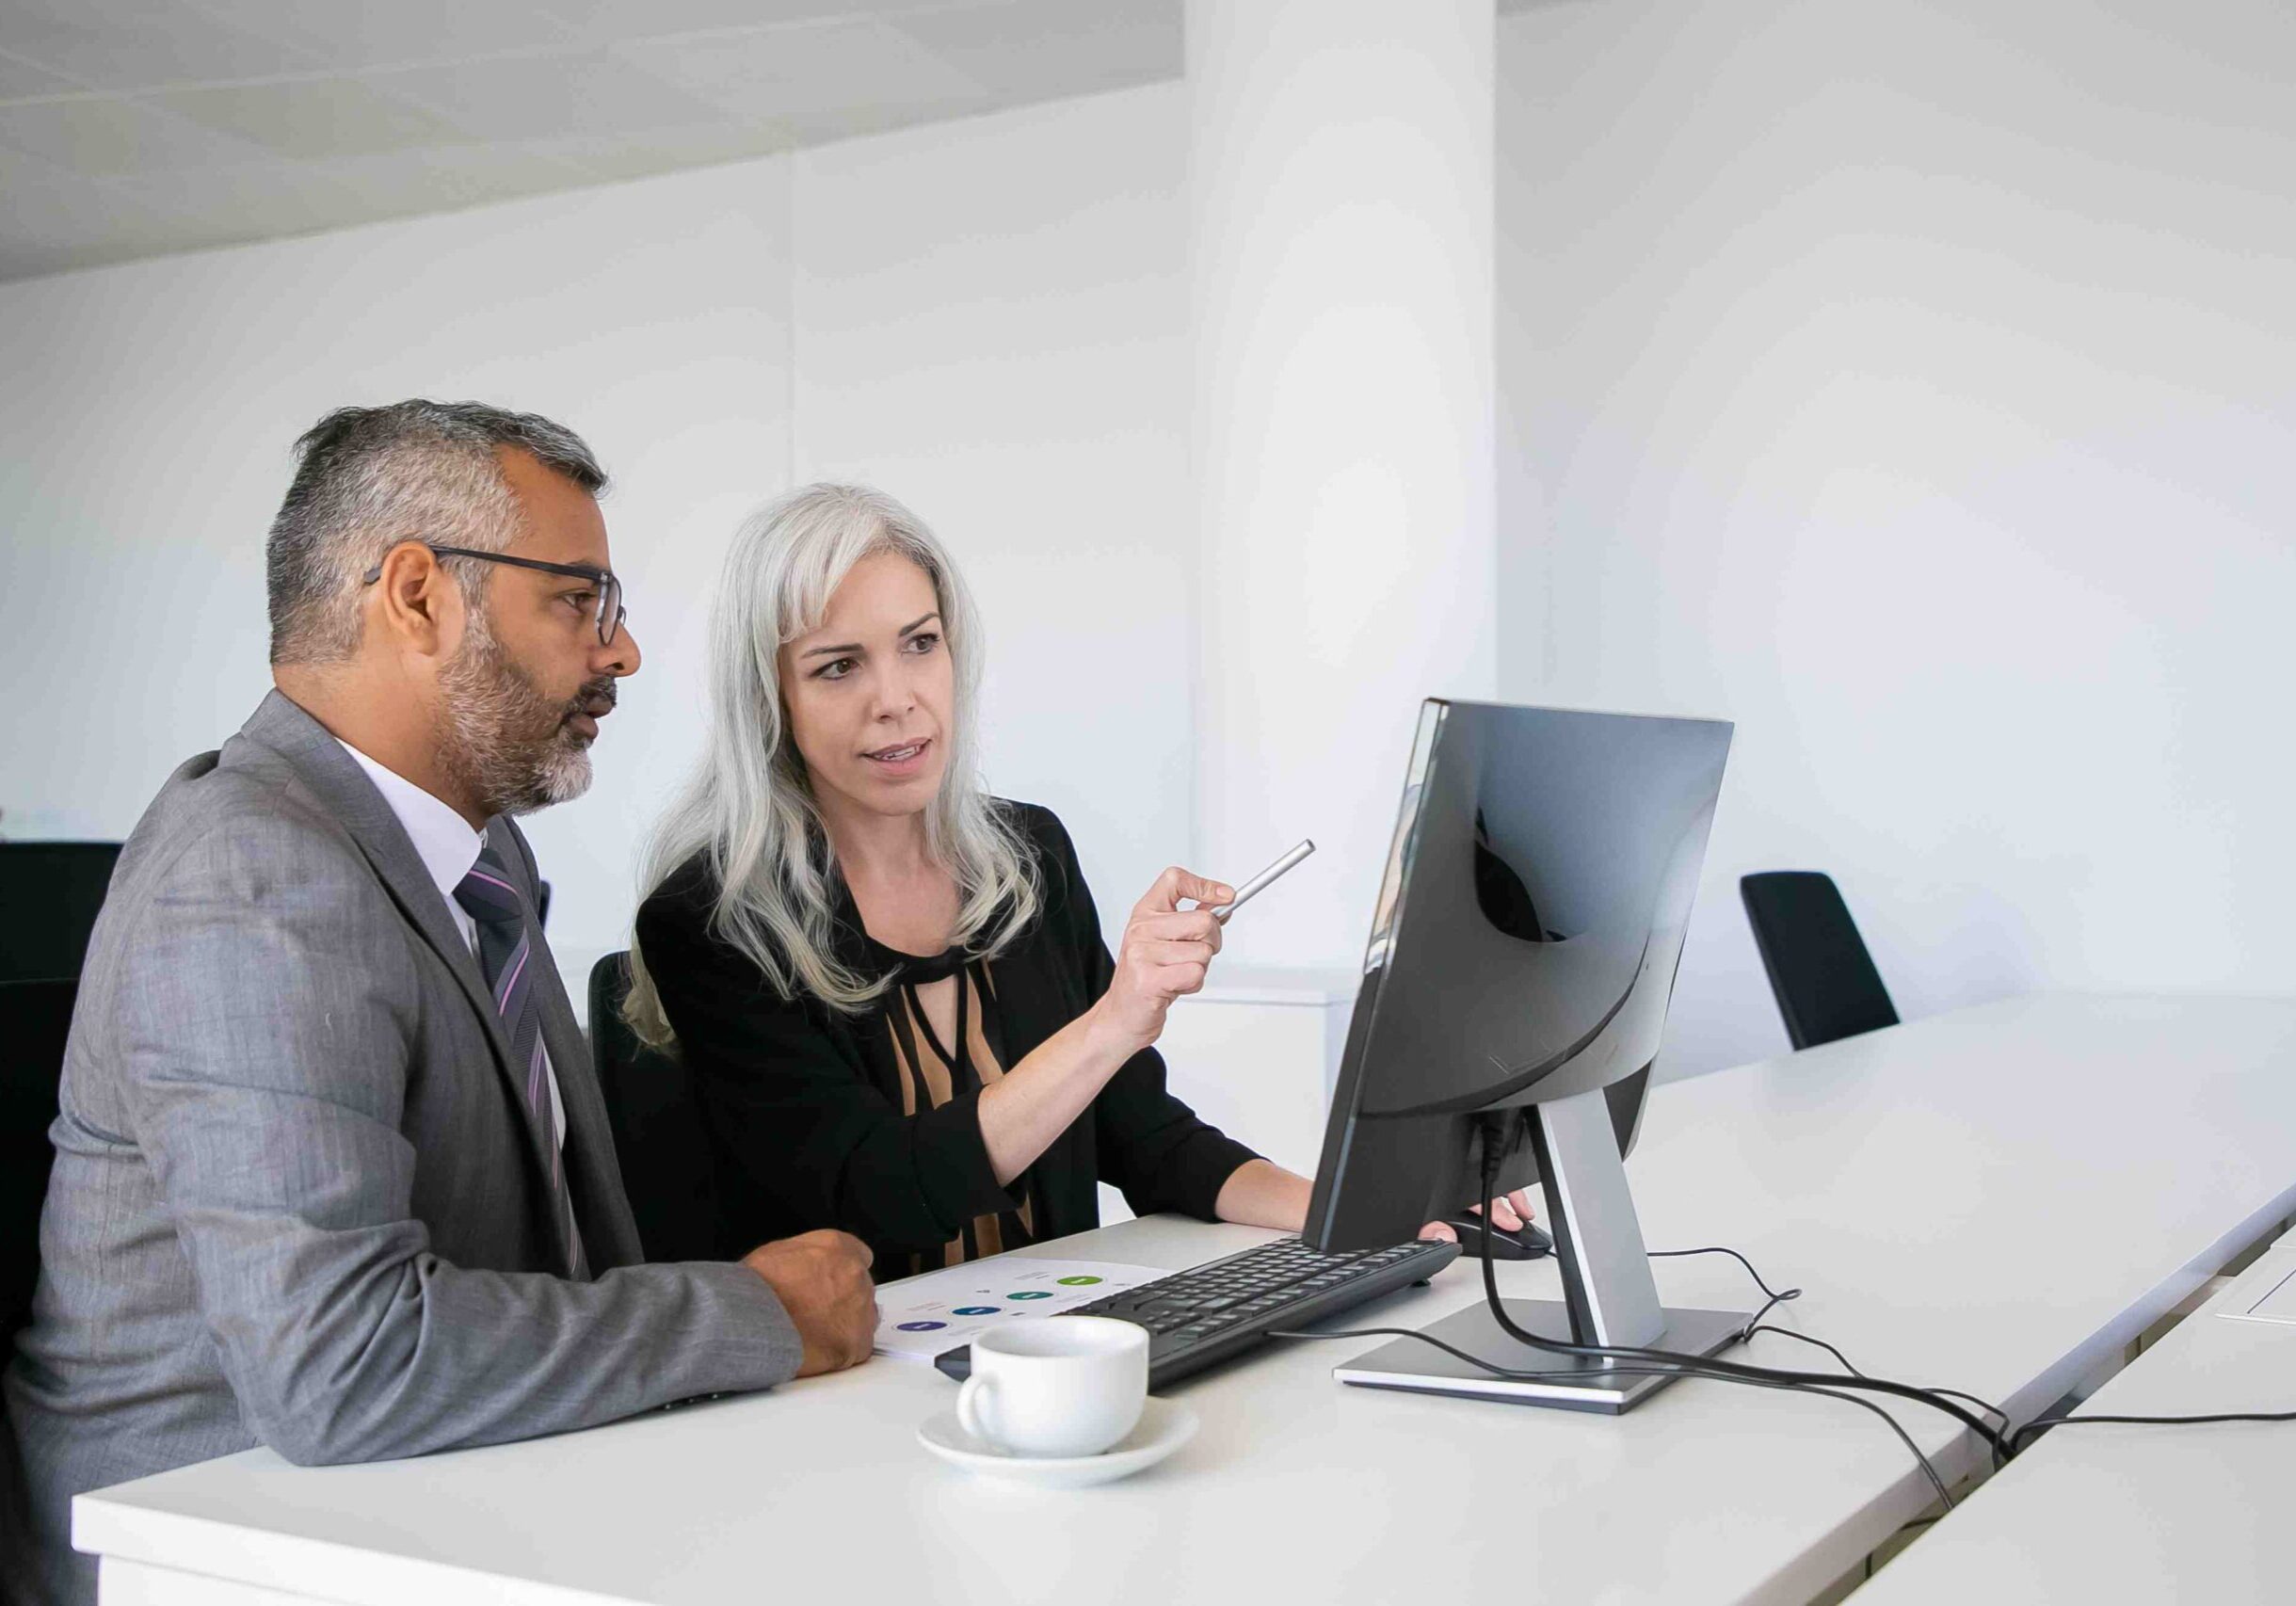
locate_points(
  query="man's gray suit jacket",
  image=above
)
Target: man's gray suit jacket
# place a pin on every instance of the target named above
(299, 1199)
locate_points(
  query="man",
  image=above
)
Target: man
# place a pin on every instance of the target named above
(332, 1172)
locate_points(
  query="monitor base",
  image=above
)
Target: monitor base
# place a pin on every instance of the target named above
(1575, 1384)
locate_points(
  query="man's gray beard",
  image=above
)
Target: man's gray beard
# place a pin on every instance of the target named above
(508, 743)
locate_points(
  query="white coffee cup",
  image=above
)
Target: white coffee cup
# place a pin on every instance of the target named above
(1063, 1386)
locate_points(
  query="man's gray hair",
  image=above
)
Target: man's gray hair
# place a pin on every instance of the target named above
(369, 478)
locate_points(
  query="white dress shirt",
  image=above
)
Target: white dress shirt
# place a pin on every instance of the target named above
(447, 846)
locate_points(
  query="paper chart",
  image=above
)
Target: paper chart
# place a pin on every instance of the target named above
(918, 1317)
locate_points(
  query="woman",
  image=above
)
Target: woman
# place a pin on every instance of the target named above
(889, 987)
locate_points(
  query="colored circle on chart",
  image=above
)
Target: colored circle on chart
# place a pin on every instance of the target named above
(976, 1310)
(1029, 1294)
(923, 1326)
(1078, 1282)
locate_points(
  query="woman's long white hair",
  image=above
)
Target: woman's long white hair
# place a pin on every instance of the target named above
(748, 810)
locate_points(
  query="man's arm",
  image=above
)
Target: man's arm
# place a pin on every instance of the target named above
(266, 1021)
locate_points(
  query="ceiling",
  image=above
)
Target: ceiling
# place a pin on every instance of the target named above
(130, 128)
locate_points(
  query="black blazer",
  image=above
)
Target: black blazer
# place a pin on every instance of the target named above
(804, 1110)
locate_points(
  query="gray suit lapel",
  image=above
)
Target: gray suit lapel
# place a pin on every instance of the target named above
(338, 783)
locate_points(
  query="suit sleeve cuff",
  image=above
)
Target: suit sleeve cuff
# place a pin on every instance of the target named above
(748, 1343)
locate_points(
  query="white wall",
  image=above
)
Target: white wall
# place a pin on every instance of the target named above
(147, 420)
(1340, 209)
(989, 324)
(992, 325)
(1909, 384)
(1912, 384)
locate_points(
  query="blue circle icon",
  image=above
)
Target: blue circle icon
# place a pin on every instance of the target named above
(923, 1326)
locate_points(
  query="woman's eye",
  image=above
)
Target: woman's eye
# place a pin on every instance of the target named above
(924, 643)
(836, 669)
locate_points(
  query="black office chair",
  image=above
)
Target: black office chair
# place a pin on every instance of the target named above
(658, 1134)
(35, 1018)
(51, 890)
(1824, 980)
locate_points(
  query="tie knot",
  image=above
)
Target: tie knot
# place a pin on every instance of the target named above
(486, 893)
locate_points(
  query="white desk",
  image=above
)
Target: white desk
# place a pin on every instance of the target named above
(1994, 1200)
(2128, 1513)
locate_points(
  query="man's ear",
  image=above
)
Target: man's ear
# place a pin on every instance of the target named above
(416, 603)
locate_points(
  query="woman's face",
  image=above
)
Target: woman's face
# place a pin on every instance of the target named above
(870, 691)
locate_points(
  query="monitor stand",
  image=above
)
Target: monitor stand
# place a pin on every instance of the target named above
(1608, 1294)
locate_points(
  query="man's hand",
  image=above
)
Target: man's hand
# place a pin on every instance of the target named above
(822, 1280)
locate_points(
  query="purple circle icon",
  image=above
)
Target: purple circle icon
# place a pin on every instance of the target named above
(923, 1326)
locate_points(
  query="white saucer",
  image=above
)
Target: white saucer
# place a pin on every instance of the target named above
(1163, 1426)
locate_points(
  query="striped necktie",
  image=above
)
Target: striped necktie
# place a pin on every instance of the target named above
(506, 946)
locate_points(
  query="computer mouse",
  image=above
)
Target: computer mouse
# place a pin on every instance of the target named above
(1479, 1237)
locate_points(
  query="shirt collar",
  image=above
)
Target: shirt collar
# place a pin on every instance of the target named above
(443, 839)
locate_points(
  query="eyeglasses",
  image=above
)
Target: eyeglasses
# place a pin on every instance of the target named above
(610, 610)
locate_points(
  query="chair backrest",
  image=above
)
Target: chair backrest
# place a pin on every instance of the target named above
(51, 892)
(666, 1163)
(1824, 980)
(35, 1019)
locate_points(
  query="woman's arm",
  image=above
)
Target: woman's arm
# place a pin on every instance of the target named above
(1261, 1192)
(1147, 1143)
(1167, 951)
(809, 1136)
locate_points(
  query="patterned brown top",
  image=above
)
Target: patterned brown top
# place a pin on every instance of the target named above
(941, 1030)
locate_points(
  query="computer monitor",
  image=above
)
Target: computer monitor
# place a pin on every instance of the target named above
(1522, 954)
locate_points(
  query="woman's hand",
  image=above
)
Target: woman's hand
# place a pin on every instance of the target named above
(1165, 954)
(1509, 1213)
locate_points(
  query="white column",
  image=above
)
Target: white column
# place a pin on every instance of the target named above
(1341, 179)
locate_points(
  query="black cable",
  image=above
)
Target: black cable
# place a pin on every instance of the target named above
(1706, 1366)
(1775, 1297)
(2005, 1442)
(1981, 1404)
(1518, 1376)
(1670, 1363)
(1674, 1364)
(1789, 1333)
(2005, 1445)
(1852, 1368)
(2040, 1424)
(1753, 1321)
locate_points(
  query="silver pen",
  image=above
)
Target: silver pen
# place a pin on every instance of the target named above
(1253, 887)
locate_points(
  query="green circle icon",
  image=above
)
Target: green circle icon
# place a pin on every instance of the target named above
(1078, 1282)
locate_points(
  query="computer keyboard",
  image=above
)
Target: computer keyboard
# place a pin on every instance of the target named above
(1209, 1312)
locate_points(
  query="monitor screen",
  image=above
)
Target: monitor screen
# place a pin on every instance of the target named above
(1523, 947)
